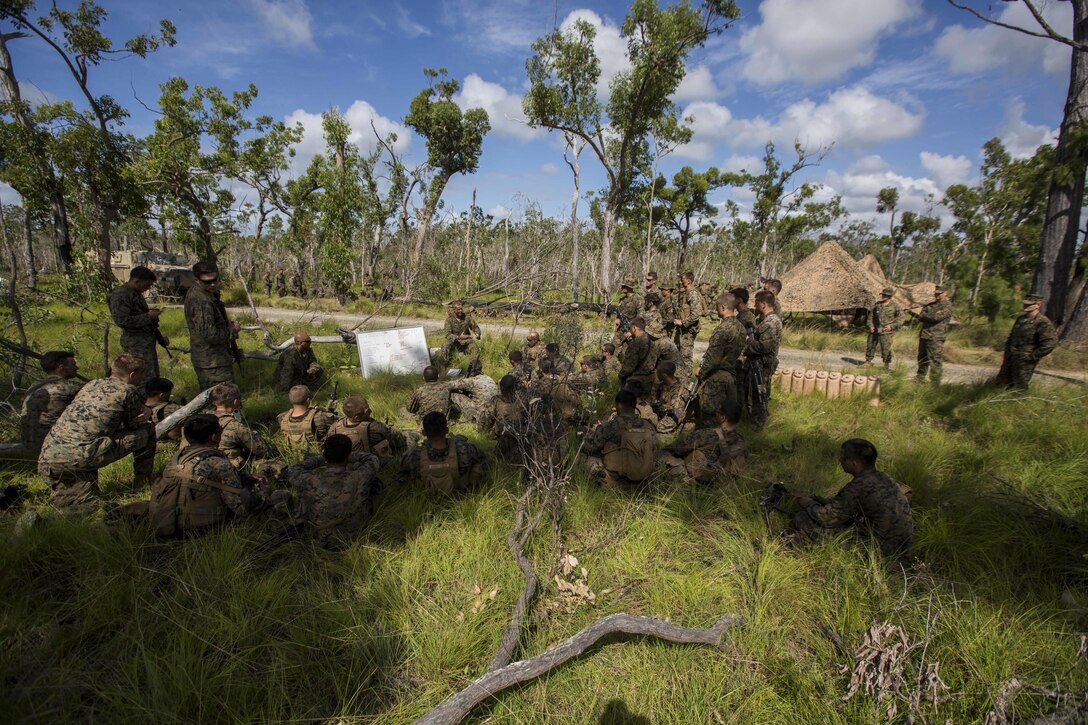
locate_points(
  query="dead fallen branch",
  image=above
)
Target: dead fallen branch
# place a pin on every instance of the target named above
(457, 707)
(180, 415)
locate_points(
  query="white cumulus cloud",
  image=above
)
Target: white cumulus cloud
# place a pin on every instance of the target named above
(358, 116)
(1021, 138)
(286, 21)
(946, 170)
(818, 40)
(549, 169)
(503, 108)
(851, 118)
(698, 85)
(983, 47)
(608, 44)
(859, 184)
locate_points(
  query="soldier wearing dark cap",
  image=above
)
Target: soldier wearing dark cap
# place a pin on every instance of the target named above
(629, 307)
(519, 368)
(1032, 338)
(47, 398)
(935, 318)
(872, 501)
(885, 317)
(212, 336)
(137, 321)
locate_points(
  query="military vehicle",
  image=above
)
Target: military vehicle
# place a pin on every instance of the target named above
(174, 271)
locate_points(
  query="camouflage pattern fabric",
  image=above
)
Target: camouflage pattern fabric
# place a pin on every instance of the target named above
(655, 326)
(1030, 340)
(874, 503)
(609, 434)
(630, 307)
(159, 413)
(531, 354)
(935, 318)
(562, 363)
(376, 433)
(777, 307)
(240, 445)
(129, 311)
(471, 463)
(762, 346)
(430, 397)
(691, 308)
(210, 336)
(522, 373)
(668, 401)
(292, 367)
(707, 454)
(563, 398)
(334, 500)
(665, 350)
(454, 328)
(718, 370)
(748, 318)
(469, 395)
(612, 366)
(890, 315)
(44, 402)
(502, 420)
(97, 429)
(637, 361)
(314, 432)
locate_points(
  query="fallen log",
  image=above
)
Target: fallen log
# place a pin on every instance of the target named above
(457, 707)
(182, 414)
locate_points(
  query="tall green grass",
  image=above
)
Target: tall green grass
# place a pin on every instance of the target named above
(104, 621)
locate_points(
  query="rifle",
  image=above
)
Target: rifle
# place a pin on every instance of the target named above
(334, 398)
(693, 391)
(286, 534)
(755, 390)
(876, 320)
(625, 323)
(771, 500)
(161, 339)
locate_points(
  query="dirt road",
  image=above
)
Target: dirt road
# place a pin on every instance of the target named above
(789, 357)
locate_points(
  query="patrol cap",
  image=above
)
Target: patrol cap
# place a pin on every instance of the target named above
(355, 405)
(1033, 300)
(628, 283)
(887, 292)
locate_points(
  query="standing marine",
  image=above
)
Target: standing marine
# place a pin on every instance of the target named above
(139, 324)
(1033, 337)
(885, 317)
(213, 337)
(936, 318)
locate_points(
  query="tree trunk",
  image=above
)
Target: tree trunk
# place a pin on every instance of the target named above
(981, 268)
(683, 252)
(468, 230)
(430, 206)
(608, 236)
(892, 251)
(1057, 248)
(650, 224)
(28, 251)
(575, 228)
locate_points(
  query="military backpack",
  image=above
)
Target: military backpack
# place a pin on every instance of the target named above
(181, 499)
(634, 456)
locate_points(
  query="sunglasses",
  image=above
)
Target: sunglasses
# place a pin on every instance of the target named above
(213, 280)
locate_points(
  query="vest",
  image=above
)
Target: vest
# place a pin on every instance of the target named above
(360, 438)
(697, 465)
(633, 457)
(182, 500)
(299, 432)
(441, 475)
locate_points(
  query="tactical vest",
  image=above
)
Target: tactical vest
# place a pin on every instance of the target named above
(507, 412)
(633, 457)
(182, 500)
(360, 438)
(299, 432)
(440, 475)
(698, 466)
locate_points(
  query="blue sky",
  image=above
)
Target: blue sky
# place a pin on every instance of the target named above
(906, 90)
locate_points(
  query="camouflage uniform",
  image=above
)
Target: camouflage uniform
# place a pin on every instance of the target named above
(523, 373)
(592, 381)
(777, 306)
(292, 366)
(266, 279)
(281, 284)
(748, 318)
(668, 310)
(691, 308)
(707, 454)
(605, 441)
(502, 420)
(455, 327)
(655, 326)
(296, 286)
(370, 436)
(612, 366)
(762, 347)
(630, 307)
(874, 502)
(334, 499)
(668, 404)
(637, 361)
(430, 397)
(665, 350)
(129, 311)
(721, 361)
(95, 430)
(935, 318)
(563, 364)
(210, 338)
(238, 443)
(563, 398)
(216, 493)
(889, 314)
(469, 395)
(1031, 339)
(442, 472)
(531, 354)
(44, 402)
(303, 430)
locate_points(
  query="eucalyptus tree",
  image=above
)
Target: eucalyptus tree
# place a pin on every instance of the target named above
(685, 206)
(564, 71)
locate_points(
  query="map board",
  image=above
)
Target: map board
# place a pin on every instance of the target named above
(400, 350)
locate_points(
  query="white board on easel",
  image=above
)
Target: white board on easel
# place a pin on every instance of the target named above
(402, 350)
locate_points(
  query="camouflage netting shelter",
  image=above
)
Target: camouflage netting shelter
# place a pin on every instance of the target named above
(906, 295)
(828, 279)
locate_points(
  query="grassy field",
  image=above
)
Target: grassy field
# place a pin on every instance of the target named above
(102, 621)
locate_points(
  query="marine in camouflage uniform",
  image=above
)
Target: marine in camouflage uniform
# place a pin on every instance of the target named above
(469, 395)
(211, 334)
(432, 396)
(690, 308)
(303, 428)
(443, 465)
(366, 434)
(1032, 338)
(297, 288)
(281, 283)
(590, 378)
(103, 424)
(629, 307)
(333, 494)
(563, 398)
(935, 318)
(266, 279)
(611, 362)
(637, 358)
(668, 311)
(872, 501)
(502, 420)
(533, 350)
(521, 370)
(762, 349)
(47, 398)
(138, 323)
(710, 453)
(603, 448)
(668, 399)
(745, 316)
(461, 333)
(885, 317)
(721, 361)
(298, 365)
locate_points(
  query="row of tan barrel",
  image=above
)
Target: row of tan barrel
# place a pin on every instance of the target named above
(831, 385)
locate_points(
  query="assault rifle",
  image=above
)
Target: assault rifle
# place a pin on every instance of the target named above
(161, 339)
(756, 393)
(877, 324)
(625, 323)
(771, 500)
(334, 398)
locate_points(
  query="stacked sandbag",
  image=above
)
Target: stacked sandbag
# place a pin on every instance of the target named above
(829, 384)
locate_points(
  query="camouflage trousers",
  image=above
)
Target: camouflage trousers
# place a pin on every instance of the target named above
(210, 377)
(1016, 371)
(805, 529)
(468, 409)
(885, 343)
(605, 477)
(930, 359)
(718, 388)
(76, 484)
(687, 352)
(468, 347)
(148, 353)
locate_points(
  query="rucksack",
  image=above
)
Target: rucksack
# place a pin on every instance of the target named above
(180, 474)
(636, 453)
